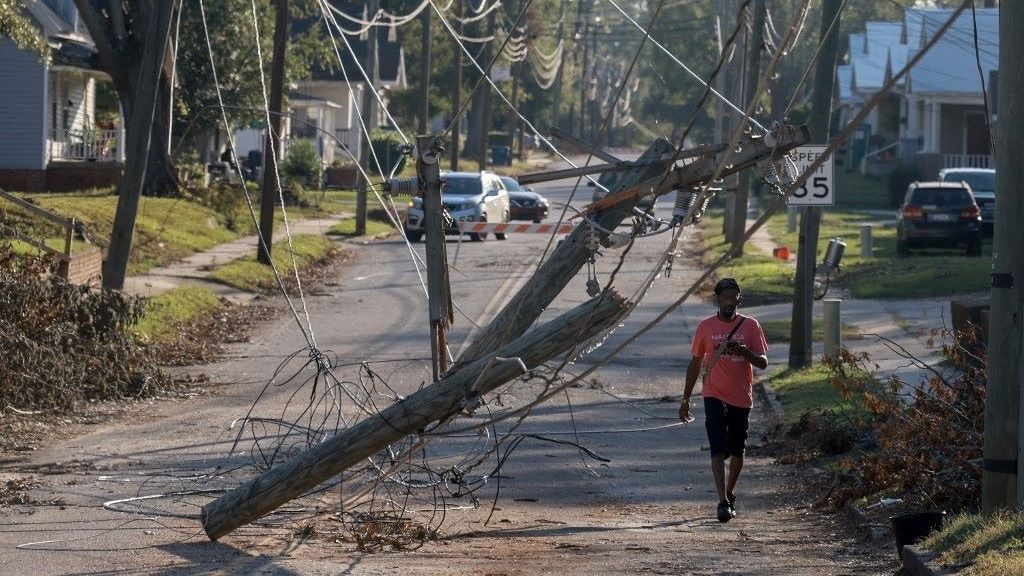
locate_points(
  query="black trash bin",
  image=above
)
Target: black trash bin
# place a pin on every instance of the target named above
(914, 527)
(500, 155)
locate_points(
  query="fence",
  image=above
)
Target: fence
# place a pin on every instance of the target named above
(98, 145)
(67, 223)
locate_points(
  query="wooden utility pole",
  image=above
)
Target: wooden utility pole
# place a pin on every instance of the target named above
(437, 402)
(557, 105)
(720, 77)
(584, 82)
(138, 142)
(369, 113)
(484, 99)
(753, 72)
(456, 90)
(272, 146)
(438, 289)
(737, 90)
(512, 118)
(800, 339)
(1002, 485)
(425, 72)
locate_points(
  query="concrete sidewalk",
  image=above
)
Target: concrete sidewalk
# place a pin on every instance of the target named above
(196, 269)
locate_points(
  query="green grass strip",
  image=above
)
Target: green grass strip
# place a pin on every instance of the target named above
(178, 305)
(810, 390)
(249, 275)
(990, 544)
(347, 228)
(779, 331)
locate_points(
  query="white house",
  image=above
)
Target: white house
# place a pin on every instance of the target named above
(50, 138)
(935, 117)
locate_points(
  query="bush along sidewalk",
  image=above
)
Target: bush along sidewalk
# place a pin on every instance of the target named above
(891, 447)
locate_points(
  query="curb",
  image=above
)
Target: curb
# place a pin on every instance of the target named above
(919, 561)
(768, 398)
(875, 532)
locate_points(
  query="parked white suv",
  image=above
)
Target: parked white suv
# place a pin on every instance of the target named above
(983, 184)
(467, 197)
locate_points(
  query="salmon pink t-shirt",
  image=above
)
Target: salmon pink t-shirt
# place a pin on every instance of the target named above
(731, 378)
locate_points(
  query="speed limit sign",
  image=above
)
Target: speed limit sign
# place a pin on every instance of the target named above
(819, 189)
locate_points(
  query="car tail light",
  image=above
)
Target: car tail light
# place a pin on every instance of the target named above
(912, 213)
(970, 213)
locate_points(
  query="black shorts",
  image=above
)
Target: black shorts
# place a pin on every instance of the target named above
(727, 427)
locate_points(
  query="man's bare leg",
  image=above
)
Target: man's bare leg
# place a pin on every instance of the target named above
(718, 471)
(735, 466)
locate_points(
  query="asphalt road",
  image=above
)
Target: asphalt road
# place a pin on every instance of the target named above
(550, 508)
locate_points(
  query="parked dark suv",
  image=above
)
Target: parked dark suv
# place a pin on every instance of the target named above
(939, 215)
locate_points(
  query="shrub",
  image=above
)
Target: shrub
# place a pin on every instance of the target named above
(65, 344)
(929, 441)
(387, 144)
(898, 179)
(302, 163)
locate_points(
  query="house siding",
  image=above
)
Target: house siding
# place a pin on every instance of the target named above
(22, 144)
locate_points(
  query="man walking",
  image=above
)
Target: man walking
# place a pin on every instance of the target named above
(726, 345)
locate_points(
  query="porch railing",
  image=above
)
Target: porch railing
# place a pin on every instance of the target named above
(968, 161)
(97, 145)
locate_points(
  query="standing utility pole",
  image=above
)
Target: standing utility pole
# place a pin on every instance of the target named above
(1001, 483)
(457, 90)
(369, 117)
(139, 135)
(272, 145)
(738, 90)
(800, 339)
(583, 78)
(512, 119)
(753, 72)
(438, 290)
(425, 73)
(484, 99)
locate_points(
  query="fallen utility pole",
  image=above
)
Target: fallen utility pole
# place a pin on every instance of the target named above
(572, 253)
(438, 402)
(438, 288)
(272, 146)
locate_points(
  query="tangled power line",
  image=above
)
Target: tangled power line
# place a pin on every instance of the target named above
(405, 491)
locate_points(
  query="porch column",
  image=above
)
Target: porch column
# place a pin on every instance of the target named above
(935, 128)
(120, 133)
(913, 128)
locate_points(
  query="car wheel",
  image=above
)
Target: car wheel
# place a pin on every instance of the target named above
(414, 235)
(537, 220)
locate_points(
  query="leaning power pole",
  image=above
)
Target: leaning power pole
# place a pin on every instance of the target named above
(1001, 482)
(753, 72)
(800, 339)
(139, 141)
(369, 116)
(272, 145)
